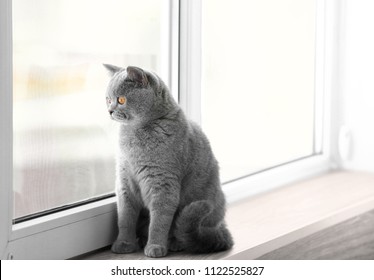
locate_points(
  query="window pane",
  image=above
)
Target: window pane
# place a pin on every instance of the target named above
(64, 141)
(258, 82)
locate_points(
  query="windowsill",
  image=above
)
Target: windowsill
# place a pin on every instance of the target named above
(269, 221)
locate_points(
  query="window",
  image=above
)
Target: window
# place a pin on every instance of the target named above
(257, 88)
(53, 96)
(258, 77)
(64, 142)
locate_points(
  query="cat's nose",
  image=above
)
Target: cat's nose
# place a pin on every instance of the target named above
(111, 111)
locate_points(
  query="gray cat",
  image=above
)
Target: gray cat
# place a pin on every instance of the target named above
(168, 188)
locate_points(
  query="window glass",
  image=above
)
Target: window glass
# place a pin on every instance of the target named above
(64, 141)
(258, 82)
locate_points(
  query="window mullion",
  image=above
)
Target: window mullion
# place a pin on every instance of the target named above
(190, 58)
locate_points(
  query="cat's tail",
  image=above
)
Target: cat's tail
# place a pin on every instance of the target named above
(196, 235)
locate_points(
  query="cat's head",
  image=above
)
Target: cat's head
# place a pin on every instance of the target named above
(135, 96)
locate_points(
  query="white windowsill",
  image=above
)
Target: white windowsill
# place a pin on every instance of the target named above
(268, 221)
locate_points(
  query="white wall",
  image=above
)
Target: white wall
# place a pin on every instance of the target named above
(357, 82)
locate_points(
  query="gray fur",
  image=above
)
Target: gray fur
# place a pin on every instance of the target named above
(168, 188)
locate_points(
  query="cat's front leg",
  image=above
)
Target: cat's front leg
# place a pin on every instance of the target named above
(128, 211)
(162, 208)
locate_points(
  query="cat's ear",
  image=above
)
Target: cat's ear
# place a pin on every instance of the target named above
(112, 69)
(137, 75)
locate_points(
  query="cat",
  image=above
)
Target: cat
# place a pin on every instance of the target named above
(167, 183)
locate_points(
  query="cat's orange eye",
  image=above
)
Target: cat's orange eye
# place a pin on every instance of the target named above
(121, 100)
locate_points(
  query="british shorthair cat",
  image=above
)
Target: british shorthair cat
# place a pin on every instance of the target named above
(168, 190)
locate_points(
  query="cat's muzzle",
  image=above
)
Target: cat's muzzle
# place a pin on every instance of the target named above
(121, 117)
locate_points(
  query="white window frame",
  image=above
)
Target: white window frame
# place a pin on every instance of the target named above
(72, 232)
(6, 133)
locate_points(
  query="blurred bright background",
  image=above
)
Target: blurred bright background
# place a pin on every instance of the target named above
(64, 141)
(258, 82)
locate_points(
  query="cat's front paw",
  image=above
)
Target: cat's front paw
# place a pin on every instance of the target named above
(155, 251)
(123, 247)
